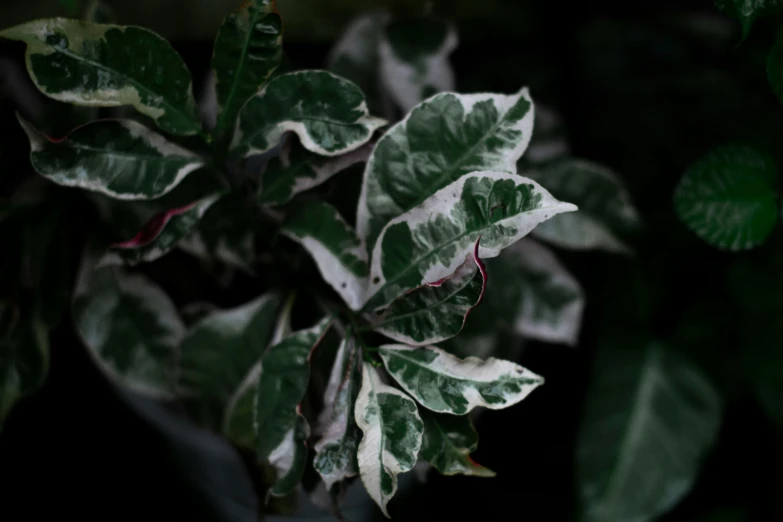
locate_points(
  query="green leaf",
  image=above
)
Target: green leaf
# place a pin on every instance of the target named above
(327, 113)
(391, 436)
(109, 65)
(130, 327)
(430, 241)
(746, 11)
(447, 443)
(446, 384)
(240, 411)
(775, 65)
(414, 60)
(727, 197)
(355, 55)
(605, 207)
(532, 294)
(335, 452)
(411, 162)
(337, 252)
(296, 170)
(217, 358)
(248, 49)
(435, 312)
(281, 431)
(650, 418)
(119, 158)
(24, 357)
(160, 235)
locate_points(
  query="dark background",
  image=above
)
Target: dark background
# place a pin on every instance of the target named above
(645, 88)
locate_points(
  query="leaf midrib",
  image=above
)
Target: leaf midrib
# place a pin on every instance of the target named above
(104, 152)
(238, 73)
(426, 308)
(633, 429)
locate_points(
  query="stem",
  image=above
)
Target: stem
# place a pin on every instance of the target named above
(366, 350)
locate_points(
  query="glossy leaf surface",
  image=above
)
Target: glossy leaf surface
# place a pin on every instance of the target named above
(104, 65)
(391, 436)
(444, 383)
(430, 241)
(119, 158)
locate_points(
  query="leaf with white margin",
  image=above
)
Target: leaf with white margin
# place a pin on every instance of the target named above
(447, 443)
(430, 241)
(435, 312)
(247, 50)
(219, 352)
(335, 452)
(392, 432)
(130, 327)
(605, 212)
(102, 65)
(160, 235)
(473, 132)
(336, 249)
(240, 410)
(328, 114)
(650, 419)
(296, 170)
(355, 55)
(280, 429)
(120, 158)
(446, 384)
(541, 299)
(414, 59)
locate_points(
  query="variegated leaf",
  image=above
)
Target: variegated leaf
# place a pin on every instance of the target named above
(248, 49)
(24, 357)
(447, 443)
(281, 431)
(103, 65)
(446, 384)
(119, 158)
(391, 436)
(430, 241)
(476, 132)
(355, 55)
(541, 299)
(335, 452)
(160, 235)
(435, 312)
(218, 354)
(327, 113)
(339, 254)
(130, 327)
(290, 457)
(296, 170)
(240, 410)
(650, 418)
(414, 59)
(225, 234)
(605, 207)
